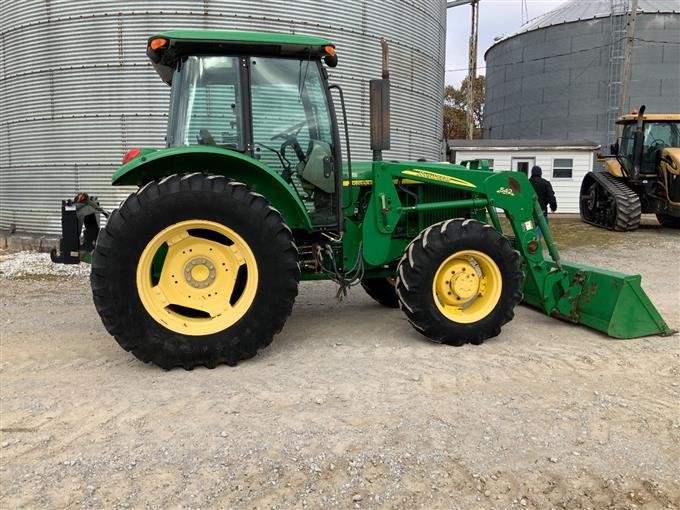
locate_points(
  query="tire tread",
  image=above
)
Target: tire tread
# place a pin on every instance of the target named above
(163, 347)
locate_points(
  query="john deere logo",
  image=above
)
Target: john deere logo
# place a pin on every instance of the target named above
(432, 176)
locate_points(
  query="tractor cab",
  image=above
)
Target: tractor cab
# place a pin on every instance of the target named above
(268, 99)
(658, 132)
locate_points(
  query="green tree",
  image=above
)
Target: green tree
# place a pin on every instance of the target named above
(456, 108)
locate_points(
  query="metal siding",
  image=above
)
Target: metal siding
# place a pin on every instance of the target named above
(75, 104)
(568, 96)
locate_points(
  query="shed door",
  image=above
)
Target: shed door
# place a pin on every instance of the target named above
(523, 165)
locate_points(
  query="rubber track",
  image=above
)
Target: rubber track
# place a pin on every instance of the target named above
(628, 207)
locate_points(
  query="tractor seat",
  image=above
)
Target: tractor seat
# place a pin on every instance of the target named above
(313, 170)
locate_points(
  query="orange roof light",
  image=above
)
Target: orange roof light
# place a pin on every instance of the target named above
(158, 43)
(330, 51)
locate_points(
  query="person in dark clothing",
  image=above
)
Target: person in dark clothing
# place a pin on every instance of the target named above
(544, 190)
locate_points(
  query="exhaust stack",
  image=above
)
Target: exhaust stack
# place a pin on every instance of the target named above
(380, 107)
(638, 145)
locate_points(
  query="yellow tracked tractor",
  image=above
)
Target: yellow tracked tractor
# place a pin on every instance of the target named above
(641, 176)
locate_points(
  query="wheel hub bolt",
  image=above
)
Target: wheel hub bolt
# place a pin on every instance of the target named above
(465, 285)
(199, 273)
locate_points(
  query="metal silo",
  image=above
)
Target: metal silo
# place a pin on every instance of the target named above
(553, 78)
(78, 90)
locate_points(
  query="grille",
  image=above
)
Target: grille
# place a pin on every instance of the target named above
(428, 194)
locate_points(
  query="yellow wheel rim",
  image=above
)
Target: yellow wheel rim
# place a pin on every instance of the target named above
(197, 277)
(467, 286)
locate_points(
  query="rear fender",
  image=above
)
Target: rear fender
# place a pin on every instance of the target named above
(670, 160)
(669, 168)
(214, 160)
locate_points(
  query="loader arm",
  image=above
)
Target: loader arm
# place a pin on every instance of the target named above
(610, 302)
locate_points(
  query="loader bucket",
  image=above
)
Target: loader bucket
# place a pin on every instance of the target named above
(607, 301)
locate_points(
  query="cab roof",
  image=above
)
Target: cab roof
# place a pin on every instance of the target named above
(183, 42)
(649, 117)
(239, 37)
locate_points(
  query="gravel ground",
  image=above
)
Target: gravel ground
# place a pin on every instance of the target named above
(348, 408)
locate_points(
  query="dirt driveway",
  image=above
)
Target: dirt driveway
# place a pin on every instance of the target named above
(348, 408)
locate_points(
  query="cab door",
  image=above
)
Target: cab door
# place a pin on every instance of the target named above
(292, 131)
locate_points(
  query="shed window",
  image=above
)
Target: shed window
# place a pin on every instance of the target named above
(563, 168)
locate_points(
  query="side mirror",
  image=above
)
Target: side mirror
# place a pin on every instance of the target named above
(331, 57)
(331, 60)
(614, 148)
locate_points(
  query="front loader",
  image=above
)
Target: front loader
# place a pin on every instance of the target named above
(201, 264)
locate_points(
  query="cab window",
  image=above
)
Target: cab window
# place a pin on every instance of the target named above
(205, 106)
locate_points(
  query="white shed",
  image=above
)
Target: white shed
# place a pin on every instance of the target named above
(564, 162)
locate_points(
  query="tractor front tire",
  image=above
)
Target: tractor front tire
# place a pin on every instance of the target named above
(194, 270)
(459, 282)
(383, 290)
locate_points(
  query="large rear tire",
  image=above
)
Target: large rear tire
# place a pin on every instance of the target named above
(459, 282)
(194, 270)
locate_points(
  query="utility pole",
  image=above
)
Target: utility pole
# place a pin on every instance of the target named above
(472, 63)
(628, 58)
(472, 77)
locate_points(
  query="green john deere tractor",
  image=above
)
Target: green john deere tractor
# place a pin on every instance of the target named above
(201, 264)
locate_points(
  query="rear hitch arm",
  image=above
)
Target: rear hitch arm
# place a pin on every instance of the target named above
(80, 215)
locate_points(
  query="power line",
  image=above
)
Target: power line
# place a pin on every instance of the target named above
(655, 41)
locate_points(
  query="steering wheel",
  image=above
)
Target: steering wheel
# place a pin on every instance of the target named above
(290, 138)
(291, 131)
(655, 144)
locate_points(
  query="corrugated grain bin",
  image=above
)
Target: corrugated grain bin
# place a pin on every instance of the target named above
(551, 78)
(78, 92)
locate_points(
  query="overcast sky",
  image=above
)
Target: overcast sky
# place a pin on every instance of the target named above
(496, 17)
